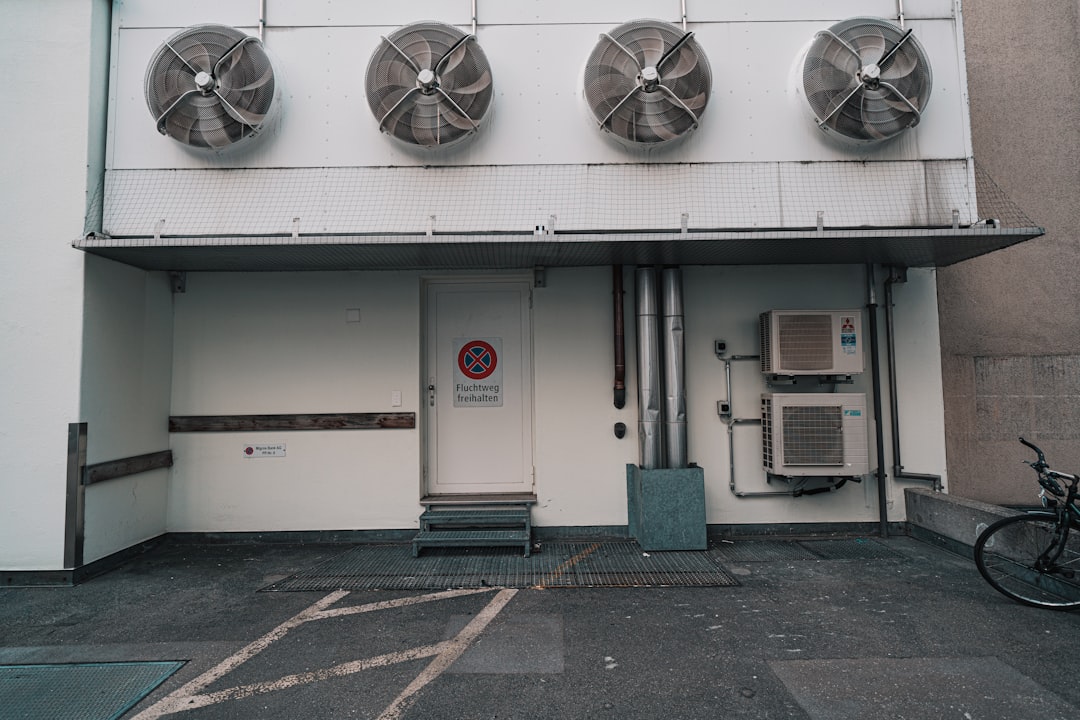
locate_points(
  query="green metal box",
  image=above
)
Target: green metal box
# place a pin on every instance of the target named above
(666, 508)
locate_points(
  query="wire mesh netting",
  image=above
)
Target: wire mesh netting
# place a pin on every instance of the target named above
(374, 201)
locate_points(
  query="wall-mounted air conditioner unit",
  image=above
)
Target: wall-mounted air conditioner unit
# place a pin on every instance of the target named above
(811, 342)
(814, 434)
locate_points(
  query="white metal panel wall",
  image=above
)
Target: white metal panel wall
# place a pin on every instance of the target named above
(245, 13)
(42, 201)
(539, 114)
(126, 377)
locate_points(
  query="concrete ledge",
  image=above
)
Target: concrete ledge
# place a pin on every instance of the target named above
(947, 521)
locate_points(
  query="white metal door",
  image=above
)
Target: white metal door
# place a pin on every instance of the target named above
(479, 373)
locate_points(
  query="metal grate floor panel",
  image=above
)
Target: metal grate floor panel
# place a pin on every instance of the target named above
(762, 551)
(78, 691)
(850, 549)
(607, 564)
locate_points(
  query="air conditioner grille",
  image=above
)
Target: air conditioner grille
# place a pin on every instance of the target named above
(813, 435)
(805, 342)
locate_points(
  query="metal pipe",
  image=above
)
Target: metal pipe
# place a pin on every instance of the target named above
(473, 17)
(731, 422)
(262, 19)
(620, 336)
(894, 398)
(900, 12)
(649, 388)
(673, 357)
(875, 364)
(683, 15)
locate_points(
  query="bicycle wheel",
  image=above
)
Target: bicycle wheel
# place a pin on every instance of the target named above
(1007, 555)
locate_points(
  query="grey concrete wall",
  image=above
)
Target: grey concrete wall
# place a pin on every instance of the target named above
(947, 520)
(1010, 330)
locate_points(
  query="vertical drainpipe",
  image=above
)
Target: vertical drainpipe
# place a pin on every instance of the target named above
(674, 359)
(649, 389)
(879, 437)
(620, 337)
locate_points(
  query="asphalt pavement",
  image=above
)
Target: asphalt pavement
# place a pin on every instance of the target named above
(913, 634)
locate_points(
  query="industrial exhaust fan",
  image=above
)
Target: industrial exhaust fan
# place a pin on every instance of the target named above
(647, 82)
(429, 84)
(866, 80)
(210, 86)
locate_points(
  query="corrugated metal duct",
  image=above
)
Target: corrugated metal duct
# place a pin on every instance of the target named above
(649, 388)
(674, 359)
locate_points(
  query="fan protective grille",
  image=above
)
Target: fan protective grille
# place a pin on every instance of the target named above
(429, 84)
(647, 82)
(813, 435)
(210, 86)
(866, 79)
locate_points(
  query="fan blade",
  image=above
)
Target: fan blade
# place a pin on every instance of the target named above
(697, 102)
(870, 46)
(453, 57)
(902, 64)
(174, 82)
(833, 79)
(650, 43)
(199, 57)
(457, 120)
(610, 88)
(479, 85)
(657, 127)
(425, 123)
(870, 129)
(394, 73)
(241, 114)
(419, 49)
(254, 84)
(687, 61)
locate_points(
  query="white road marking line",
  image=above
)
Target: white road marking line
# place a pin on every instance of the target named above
(188, 697)
(453, 650)
(400, 602)
(245, 691)
(177, 698)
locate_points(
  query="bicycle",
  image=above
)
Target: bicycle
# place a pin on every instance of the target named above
(1034, 558)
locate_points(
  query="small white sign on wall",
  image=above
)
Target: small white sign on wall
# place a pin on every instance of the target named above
(264, 450)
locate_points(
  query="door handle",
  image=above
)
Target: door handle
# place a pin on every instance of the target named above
(431, 395)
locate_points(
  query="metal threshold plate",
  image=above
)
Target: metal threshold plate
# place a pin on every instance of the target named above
(78, 691)
(607, 564)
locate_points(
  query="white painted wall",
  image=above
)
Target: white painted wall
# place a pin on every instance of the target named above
(126, 371)
(43, 46)
(279, 343)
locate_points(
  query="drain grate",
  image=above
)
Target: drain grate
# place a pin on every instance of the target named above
(78, 691)
(613, 564)
(850, 549)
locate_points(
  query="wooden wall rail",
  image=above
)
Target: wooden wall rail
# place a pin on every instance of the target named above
(100, 472)
(325, 421)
